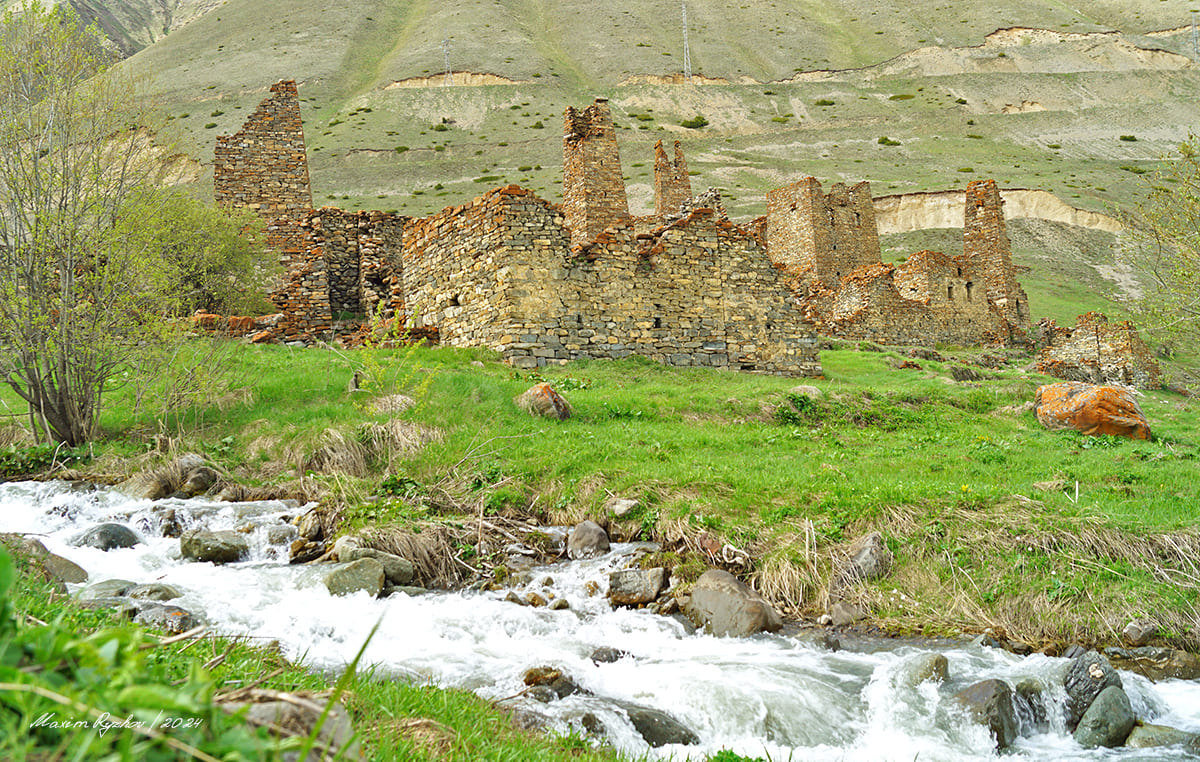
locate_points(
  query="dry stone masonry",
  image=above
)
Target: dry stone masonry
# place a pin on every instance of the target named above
(1098, 352)
(545, 283)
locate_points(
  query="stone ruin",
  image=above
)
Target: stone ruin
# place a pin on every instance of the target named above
(545, 283)
(1098, 352)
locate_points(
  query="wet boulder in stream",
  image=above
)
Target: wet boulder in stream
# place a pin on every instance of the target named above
(634, 587)
(1107, 721)
(990, 703)
(397, 570)
(223, 547)
(587, 540)
(107, 537)
(364, 574)
(724, 605)
(1085, 678)
(657, 727)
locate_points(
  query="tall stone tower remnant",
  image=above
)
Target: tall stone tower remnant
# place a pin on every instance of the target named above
(985, 242)
(829, 235)
(593, 189)
(672, 185)
(264, 167)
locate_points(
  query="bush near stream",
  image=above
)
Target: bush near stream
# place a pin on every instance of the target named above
(974, 497)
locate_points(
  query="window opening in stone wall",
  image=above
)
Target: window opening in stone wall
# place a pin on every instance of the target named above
(960, 272)
(658, 322)
(970, 288)
(454, 300)
(950, 293)
(857, 219)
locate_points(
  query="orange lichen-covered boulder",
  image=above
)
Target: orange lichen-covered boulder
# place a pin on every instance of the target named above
(1092, 410)
(543, 400)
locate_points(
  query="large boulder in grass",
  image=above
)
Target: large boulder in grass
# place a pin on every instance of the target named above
(1092, 410)
(724, 605)
(544, 401)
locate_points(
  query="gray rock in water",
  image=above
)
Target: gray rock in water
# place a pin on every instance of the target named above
(167, 618)
(1030, 703)
(109, 588)
(363, 574)
(309, 525)
(724, 605)
(153, 592)
(924, 667)
(632, 587)
(658, 728)
(301, 551)
(281, 534)
(1107, 721)
(107, 537)
(1087, 675)
(542, 693)
(1139, 632)
(397, 570)
(990, 703)
(1153, 736)
(559, 604)
(607, 655)
(223, 547)
(1156, 663)
(63, 569)
(587, 540)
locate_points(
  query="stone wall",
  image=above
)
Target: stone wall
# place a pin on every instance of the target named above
(1097, 351)
(500, 272)
(264, 167)
(593, 188)
(985, 240)
(822, 237)
(542, 283)
(672, 185)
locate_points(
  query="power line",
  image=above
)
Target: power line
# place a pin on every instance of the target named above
(448, 80)
(687, 55)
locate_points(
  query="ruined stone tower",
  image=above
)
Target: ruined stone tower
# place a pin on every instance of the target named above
(593, 189)
(264, 167)
(985, 242)
(672, 186)
(827, 235)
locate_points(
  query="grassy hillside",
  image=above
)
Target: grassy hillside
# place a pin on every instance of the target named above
(912, 96)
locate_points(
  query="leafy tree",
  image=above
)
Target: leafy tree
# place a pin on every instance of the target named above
(1166, 237)
(88, 263)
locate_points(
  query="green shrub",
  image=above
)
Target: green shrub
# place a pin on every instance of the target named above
(901, 97)
(1129, 138)
(823, 102)
(886, 141)
(695, 122)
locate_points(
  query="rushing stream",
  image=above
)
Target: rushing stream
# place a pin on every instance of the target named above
(775, 696)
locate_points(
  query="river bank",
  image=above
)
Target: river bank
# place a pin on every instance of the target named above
(777, 695)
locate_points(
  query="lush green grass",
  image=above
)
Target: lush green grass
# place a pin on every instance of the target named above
(730, 454)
